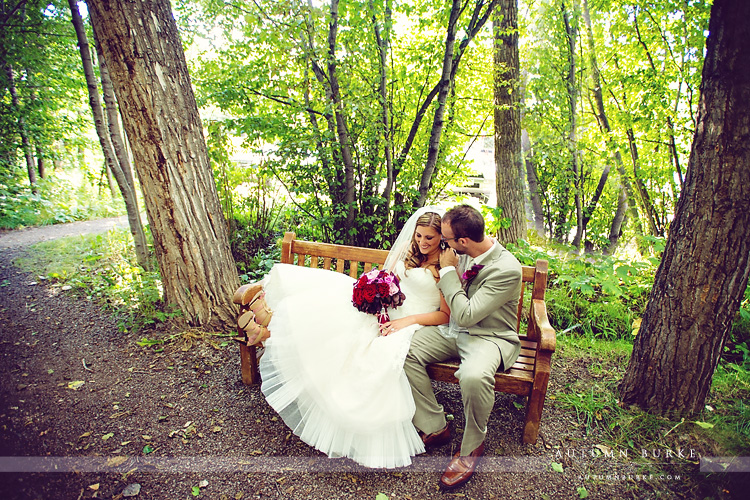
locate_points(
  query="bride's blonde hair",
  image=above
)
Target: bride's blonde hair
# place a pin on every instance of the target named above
(415, 258)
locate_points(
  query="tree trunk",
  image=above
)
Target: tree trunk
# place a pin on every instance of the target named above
(41, 167)
(571, 34)
(433, 148)
(626, 199)
(25, 143)
(533, 180)
(112, 165)
(508, 167)
(704, 270)
(647, 205)
(145, 59)
(382, 40)
(342, 133)
(618, 221)
(123, 161)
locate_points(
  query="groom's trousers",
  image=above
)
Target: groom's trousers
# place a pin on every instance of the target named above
(480, 359)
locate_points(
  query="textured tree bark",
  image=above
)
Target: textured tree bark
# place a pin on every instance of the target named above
(111, 155)
(142, 48)
(121, 154)
(704, 270)
(508, 164)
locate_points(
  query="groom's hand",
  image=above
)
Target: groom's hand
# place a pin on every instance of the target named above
(448, 257)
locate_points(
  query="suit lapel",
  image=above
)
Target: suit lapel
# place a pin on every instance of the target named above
(490, 260)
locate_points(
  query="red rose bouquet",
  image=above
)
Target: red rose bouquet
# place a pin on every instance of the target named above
(376, 290)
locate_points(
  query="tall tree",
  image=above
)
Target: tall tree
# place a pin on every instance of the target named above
(452, 54)
(704, 270)
(601, 115)
(112, 156)
(533, 181)
(28, 153)
(143, 52)
(508, 165)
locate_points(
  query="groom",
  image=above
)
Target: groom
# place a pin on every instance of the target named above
(483, 299)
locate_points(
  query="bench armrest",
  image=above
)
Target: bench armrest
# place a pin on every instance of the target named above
(543, 331)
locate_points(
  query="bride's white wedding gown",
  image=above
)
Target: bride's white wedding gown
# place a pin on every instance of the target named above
(327, 372)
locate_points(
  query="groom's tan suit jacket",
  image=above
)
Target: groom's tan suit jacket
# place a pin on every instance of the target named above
(488, 305)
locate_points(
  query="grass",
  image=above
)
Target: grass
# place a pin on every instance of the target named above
(102, 267)
(722, 429)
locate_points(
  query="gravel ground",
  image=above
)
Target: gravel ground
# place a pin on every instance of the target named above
(87, 413)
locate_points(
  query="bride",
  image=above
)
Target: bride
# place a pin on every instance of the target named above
(330, 371)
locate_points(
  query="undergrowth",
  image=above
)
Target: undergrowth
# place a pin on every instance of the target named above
(102, 267)
(56, 200)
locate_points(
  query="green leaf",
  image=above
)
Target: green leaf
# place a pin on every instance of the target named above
(556, 466)
(582, 493)
(195, 491)
(381, 496)
(148, 449)
(704, 425)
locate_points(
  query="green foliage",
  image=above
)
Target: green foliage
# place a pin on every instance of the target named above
(593, 296)
(737, 346)
(58, 199)
(102, 268)
(38, 43)
(270, 79)
(728, 409)
(650, 57)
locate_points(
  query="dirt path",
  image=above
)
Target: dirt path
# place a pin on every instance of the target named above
(32, 235)
(81, 398)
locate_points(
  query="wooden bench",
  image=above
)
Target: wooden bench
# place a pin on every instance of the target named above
(527, 377)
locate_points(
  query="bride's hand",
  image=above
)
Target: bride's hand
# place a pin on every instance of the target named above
(390, 327)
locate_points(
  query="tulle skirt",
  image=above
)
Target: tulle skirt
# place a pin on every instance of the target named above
(334, 381)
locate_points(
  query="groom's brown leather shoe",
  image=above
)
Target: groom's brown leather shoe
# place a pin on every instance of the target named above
(438, 438)
(460, 469)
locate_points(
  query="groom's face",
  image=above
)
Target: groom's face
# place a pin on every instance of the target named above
(450, 238)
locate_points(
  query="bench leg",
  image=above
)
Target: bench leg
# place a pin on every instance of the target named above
(249, 365)
(534, 407)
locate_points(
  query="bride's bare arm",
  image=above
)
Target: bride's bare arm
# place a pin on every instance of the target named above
(439, 317)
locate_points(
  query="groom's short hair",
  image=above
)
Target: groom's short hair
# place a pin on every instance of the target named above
(466, 222)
